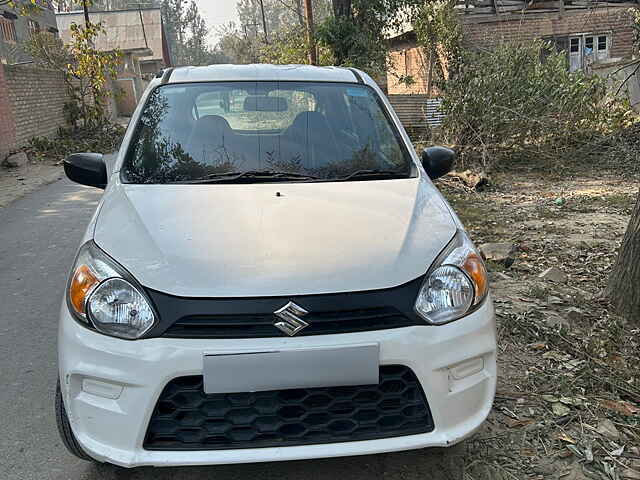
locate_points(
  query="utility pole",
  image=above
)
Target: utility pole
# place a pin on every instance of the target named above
(313, 54)
(264, 23)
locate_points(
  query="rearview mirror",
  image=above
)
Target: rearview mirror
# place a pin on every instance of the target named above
(259, 103)
(438, 161)
(86, 169)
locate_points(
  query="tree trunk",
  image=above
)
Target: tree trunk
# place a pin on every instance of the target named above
(624, 282)
(313, 52)
(264, 23)
(300, 13)
(432, 59)
(85, 8)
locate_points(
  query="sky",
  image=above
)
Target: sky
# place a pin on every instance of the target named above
(216, 13)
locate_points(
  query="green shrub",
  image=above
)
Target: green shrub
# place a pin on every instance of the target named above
(100, 140)
(521, 102)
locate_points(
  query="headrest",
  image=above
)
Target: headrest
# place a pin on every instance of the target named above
(212, 123)
(310, 120)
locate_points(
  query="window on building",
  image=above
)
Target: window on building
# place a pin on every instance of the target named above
(602, 43)
(588, 45)
(603, 47)
(34, 27)
(575, 54)
(575, 45)
(583, 49)
(8, 29)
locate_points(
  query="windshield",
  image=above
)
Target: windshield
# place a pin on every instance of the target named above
(264, 131)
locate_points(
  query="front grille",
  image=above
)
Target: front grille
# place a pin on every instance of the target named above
(253, 317)
(185, 418)
(262, 325)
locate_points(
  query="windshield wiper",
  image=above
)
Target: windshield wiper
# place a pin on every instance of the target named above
(252, 175)
(372, 174)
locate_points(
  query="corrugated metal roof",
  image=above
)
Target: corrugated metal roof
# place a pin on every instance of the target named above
(124, 29)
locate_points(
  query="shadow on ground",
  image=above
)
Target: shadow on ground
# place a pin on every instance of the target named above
(426, 464)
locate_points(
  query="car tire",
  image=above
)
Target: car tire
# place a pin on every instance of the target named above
(64, 429)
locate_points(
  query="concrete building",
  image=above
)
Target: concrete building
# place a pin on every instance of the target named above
(16, 29)
(139, 35)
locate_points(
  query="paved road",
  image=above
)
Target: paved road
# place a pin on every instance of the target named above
(38, 237)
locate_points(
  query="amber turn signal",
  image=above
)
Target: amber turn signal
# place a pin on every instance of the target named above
(81, 284)
(474, 267)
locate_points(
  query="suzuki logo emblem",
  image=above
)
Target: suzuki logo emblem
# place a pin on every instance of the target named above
(290, 321)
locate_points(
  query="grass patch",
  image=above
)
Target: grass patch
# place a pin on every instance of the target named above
(614, 202)
(546, 213)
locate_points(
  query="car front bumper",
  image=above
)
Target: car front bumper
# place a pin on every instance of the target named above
(110, 386)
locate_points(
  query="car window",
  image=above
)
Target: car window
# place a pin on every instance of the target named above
(231, 106)
(327, 131)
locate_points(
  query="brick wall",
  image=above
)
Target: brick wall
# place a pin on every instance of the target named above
(613, 21)
(7, 127)
(489, 30)
(37, 98)
(407, 60)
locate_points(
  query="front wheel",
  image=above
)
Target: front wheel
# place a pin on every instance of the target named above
(64, 429)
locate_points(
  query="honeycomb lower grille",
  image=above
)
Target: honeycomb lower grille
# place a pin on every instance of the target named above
(185, 418)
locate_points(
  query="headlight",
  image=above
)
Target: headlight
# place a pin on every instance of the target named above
(104, 295)
(455, 285)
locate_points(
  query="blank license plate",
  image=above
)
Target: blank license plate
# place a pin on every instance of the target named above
(279, 370)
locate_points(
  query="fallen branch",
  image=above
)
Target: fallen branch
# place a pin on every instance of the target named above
(475, 181)
(624, 82)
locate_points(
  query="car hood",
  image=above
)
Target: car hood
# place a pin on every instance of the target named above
(274, 239)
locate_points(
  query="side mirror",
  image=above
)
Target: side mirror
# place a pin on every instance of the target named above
(438, 161)
(86, 169)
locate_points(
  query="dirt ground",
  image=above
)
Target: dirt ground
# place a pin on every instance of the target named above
(568, 399)
(17, 182)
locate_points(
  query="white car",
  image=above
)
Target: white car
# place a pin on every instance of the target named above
(270, 275)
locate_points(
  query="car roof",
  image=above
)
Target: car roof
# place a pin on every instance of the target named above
(262, 72)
